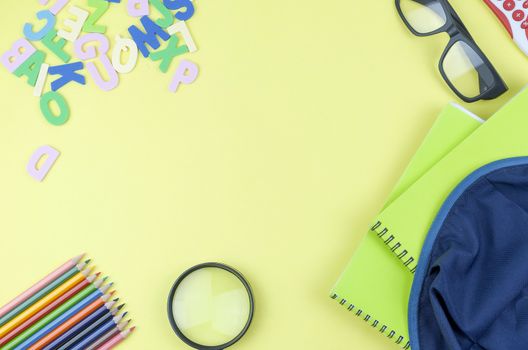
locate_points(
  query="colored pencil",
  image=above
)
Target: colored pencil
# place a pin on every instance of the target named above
(99, 332)
(94, 300)
(117, 339)
(40, 294)
(39, 285)
(86, 296)
(103, 339)
(45, 311)
(76, 319)
(88, 329)
(46, 300)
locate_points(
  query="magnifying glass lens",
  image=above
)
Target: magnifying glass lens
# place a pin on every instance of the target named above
(211, 306)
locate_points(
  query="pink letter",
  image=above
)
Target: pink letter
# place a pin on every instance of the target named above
(90, 52)
(186, 73)
(19, 53)
(138, 8)
(39, 173)
(59, 5)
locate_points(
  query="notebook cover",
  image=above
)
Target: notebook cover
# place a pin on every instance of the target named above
(406, 221)
(375, 285)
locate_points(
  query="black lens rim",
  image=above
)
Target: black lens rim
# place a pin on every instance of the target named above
(417, 33)
(177, 283)
(452, 42)
(458, 32)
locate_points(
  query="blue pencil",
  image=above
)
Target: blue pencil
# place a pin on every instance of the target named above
(100, 315)
(42, 293)
(61, 319)
(98, 333)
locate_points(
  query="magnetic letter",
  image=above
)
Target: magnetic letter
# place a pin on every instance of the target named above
(178, 5)
(124, 45)
(31, 67)
(138, 8)
(55, 9)
(186, 73)
(167, 55)
(50, 23)
(41, 80)
(56, 46)
(68, 73)
(64, 110)
(181, 27)
(39, 173)
(90, 53)
(19, 53)
(101, 7)
(167, 17)
(152, 30)
(74, 25)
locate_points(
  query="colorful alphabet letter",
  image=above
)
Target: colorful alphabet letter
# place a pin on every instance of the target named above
(152, 31)
(47, 156)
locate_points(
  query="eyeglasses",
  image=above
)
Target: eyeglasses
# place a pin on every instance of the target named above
(463, 65)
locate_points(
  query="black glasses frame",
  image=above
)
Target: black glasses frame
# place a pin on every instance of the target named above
(458, 32)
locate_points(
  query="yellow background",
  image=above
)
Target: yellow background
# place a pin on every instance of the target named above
(274, 161)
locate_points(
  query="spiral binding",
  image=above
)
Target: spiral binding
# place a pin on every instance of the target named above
(374, 323)
(383, 233)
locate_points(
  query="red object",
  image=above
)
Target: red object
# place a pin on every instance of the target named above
(518, 15)
(509, 5)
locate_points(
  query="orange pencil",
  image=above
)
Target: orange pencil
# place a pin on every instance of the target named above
(87, 311)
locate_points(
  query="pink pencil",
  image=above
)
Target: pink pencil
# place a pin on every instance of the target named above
(39, 285)
(116, 340)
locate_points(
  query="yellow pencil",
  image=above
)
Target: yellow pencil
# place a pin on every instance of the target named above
(45, 301)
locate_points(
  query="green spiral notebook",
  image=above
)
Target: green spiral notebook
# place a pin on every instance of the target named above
(402, 226)
(375, 285)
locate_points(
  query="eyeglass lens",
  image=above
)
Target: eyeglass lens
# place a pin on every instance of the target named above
(424, 16)
(466, 70)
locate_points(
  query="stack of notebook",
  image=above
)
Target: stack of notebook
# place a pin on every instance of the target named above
(377, 281)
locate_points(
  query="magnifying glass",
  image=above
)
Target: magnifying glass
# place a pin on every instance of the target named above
(211, 306)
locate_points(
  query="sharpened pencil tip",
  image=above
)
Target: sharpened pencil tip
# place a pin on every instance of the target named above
(121, 306)
(116, 299)
(98, 274)
(125, 313)
(88, 261)
(77, 259)
(105, 278)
